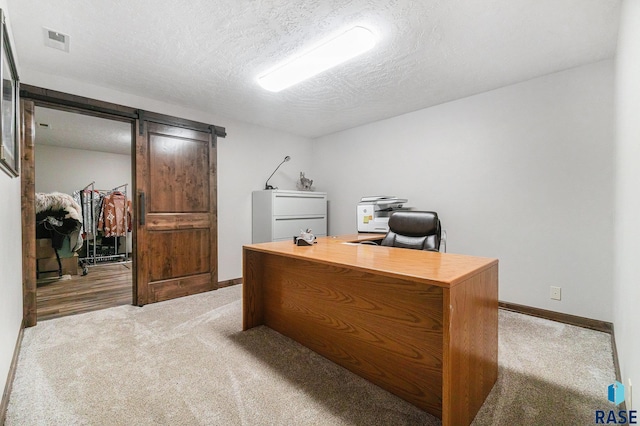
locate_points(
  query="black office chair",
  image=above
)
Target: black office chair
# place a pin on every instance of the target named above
(414, 230)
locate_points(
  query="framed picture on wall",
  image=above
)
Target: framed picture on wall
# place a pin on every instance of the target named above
(10, 142)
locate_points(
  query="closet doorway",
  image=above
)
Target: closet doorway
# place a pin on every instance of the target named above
(83, 164)
(174, 197)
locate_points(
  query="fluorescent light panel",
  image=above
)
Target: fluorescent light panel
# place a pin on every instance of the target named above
(325, 55)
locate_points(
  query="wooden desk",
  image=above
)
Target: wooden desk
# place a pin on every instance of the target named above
(421, 325)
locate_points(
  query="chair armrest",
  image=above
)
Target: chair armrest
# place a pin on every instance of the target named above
(443, 241)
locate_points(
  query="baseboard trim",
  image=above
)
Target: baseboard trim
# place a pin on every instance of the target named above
(228, 283)
(616, 364)
(604, 326)
(4, 404)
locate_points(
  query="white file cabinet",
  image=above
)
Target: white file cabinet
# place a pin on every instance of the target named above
(279, 215)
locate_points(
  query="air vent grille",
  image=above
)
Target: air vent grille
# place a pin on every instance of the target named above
(56, 39)
(57, 36)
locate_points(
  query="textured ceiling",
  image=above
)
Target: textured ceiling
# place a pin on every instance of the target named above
(71, 130)
(206, 54)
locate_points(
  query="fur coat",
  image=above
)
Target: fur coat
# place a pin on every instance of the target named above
(59, 202)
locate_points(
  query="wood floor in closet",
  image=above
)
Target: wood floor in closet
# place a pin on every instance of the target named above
(103, 287)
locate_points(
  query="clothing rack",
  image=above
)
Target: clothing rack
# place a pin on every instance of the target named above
(92, 254)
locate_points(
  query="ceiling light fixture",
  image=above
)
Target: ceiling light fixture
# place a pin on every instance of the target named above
(326, 54)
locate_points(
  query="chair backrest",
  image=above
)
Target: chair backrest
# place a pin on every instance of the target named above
(414, 230)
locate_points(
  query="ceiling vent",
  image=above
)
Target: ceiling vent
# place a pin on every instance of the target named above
(56, 39)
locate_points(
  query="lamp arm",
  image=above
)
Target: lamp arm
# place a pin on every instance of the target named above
(266, 184)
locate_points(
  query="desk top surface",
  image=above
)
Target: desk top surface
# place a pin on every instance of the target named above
(442, 269)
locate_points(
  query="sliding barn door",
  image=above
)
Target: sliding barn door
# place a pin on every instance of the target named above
(176, 214)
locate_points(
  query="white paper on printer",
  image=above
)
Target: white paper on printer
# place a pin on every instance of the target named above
(383, 201)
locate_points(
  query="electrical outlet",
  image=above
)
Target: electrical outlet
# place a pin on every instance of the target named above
(628, 396)
(555, 293)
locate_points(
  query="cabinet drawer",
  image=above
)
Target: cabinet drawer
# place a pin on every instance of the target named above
(297, 205)
(286, 229)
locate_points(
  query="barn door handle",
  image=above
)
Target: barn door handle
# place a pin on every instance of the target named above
(143, 213)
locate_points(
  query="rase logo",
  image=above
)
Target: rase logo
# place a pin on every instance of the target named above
(615, 394)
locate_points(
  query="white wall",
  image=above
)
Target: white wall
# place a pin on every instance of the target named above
(523, 174)
(246, 157)
(627, 267)
(10, 271)
(68, 170)
(10, 261)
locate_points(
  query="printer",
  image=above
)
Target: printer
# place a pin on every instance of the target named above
(373, 212)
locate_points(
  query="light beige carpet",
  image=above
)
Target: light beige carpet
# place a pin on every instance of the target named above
(187, 362)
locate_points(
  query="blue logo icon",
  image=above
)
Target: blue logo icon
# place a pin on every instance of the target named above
(615, 392)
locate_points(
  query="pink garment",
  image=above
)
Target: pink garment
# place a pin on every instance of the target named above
(115, 218)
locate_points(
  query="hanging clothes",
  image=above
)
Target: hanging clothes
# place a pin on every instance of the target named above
(115, 217)
(91, 204)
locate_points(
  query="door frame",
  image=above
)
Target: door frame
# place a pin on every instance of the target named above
(33, 96)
